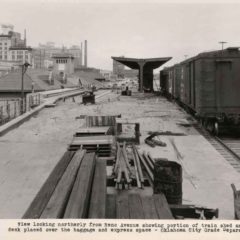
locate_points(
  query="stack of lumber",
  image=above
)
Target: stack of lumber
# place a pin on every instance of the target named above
(135, 206)
(97, 121)
(122, 168)
(101, 145)
(76, 188)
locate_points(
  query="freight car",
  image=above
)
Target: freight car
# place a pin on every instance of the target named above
(208, 85)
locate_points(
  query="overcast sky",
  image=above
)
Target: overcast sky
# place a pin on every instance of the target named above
(130, 29)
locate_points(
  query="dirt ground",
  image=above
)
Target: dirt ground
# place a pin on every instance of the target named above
(30, 152)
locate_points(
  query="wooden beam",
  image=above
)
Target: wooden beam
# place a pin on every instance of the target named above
(98, 195)
(135, 207)
(41, 199)
(111, 206)
(79, 199)
(58, 201)
(162, 206)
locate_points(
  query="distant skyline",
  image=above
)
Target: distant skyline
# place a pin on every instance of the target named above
(144, 30)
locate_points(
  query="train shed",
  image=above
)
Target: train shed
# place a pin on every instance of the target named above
(145, 67)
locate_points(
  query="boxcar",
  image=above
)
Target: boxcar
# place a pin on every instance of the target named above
(208, 84)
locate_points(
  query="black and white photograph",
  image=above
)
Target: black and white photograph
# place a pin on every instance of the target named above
(120, 110)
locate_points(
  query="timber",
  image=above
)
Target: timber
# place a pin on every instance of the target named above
(79, 199)
(98, 196)
(57, 203)
(40, 201)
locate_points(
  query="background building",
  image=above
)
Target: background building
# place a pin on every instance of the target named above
(44, 52)
(13, 49)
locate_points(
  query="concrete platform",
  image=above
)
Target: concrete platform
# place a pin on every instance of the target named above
(30, 152)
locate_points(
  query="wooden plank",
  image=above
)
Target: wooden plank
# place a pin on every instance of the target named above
(135, 207)
(102, 130)
(136, 171)
(41, 199)
(122, 207)
(138, 164)
(58, 201)
(103, 139)
(111, 206)
(162, 206)
(98, 195)
(79, 199)
(149, 172)
(149, 208)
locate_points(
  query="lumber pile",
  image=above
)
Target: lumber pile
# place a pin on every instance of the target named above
(127, 169)
(76, 188)
(101, 144)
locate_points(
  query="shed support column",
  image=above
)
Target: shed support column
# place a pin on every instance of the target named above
(141, 64)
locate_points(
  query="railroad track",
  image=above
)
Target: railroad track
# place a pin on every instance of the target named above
(228, 147)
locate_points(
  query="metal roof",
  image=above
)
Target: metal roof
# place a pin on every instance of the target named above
(149, 62)
(12, 83)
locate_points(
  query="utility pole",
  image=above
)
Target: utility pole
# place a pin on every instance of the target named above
(24, 69)
(222, 43)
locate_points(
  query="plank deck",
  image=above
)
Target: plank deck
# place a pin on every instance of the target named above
(122, 207)
(79, 199)
(149, 208)
(111, 206)
(58, 201)
(162, 206)
(97, 207)
(41, 199)
(135, 206)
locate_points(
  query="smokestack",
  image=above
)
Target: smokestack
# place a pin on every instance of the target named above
(85, 54)
(25, 38)
(81, 55)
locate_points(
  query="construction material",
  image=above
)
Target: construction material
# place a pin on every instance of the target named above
(88, 97)
(148, 170)
(236, 195)
(101, 144)
(154, 142)
(58, 201)
(120, 135)
(97, 208)
(139, 185)
(191, 211)
(40, 201)
(168, 180)
(167, 133)
(100, 121)
(79, 199)
(136, 154)
(93, 131)
(122, 169)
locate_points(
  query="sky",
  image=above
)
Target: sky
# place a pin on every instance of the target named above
(141, 29)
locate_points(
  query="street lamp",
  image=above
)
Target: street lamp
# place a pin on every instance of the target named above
(24, 69)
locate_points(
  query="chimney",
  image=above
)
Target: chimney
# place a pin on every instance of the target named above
(85, 54)
(81, 55)
(25, 38)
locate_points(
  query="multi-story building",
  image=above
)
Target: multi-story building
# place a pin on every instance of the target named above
(13, 49)
(44, 52)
